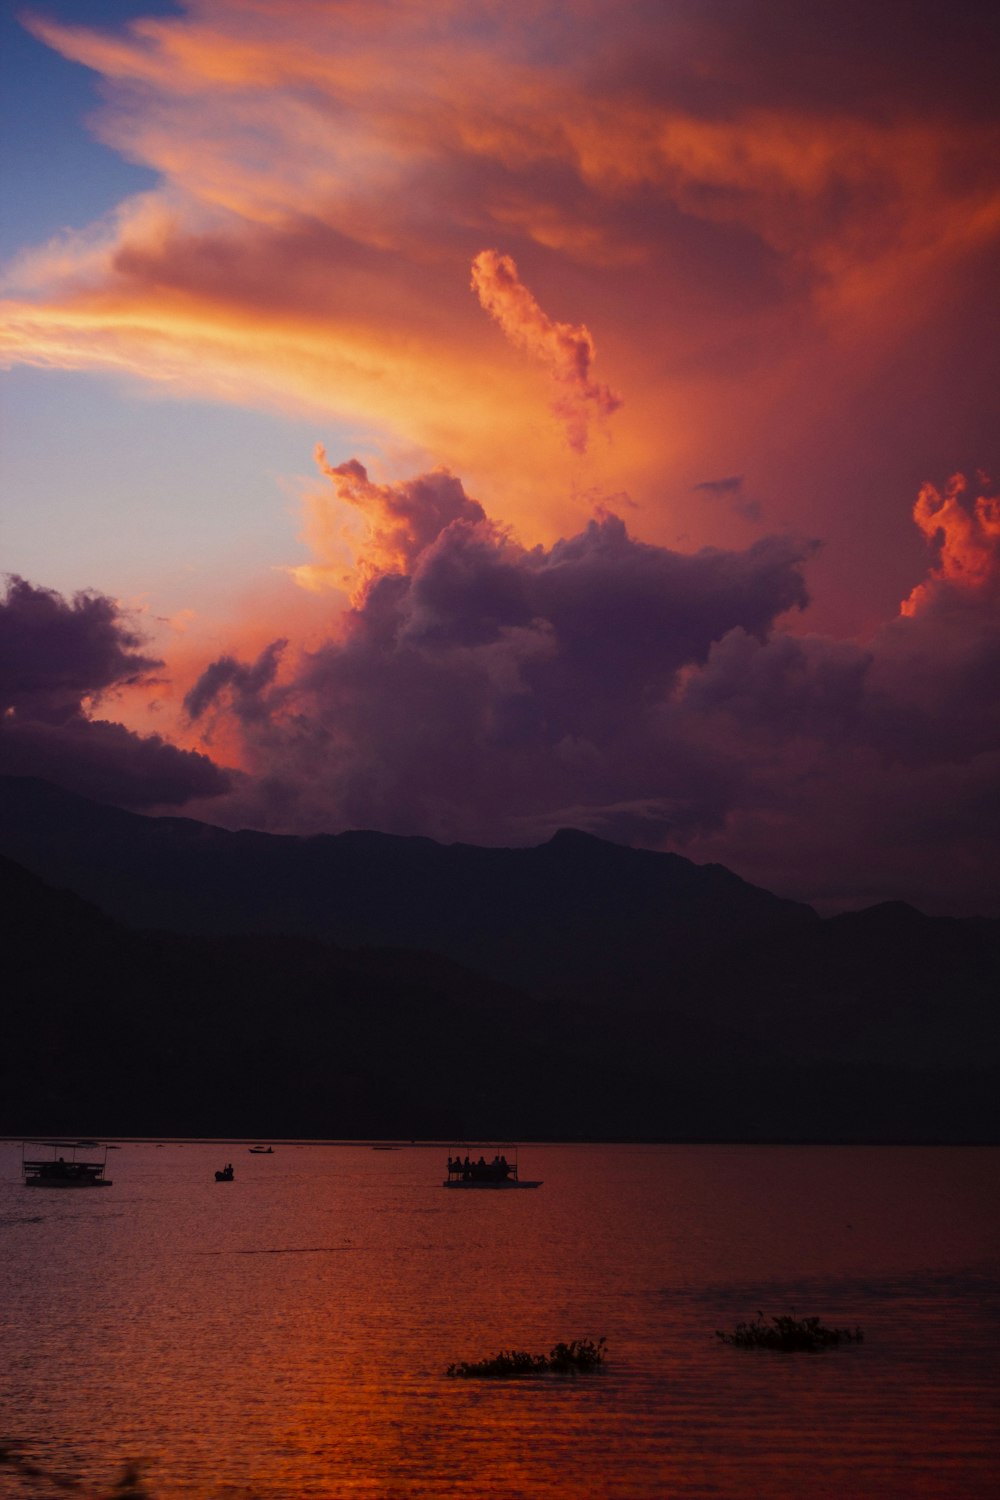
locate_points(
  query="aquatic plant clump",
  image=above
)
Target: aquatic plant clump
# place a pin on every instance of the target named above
(562, 1359)
(789, 1335)
(129, 1486)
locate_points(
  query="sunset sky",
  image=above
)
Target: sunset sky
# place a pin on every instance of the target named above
(475, 419)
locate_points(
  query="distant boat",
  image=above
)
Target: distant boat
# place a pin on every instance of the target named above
(261, 1150)
(500, 1172)
(226, 1175)
(56, 1170)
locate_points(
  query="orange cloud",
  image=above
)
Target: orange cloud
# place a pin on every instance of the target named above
(751, 248)
(967, 535)
(400, 520)
(415, 129)
(567, 350)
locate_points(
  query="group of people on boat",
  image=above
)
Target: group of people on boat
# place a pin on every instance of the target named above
(227, 1174)
(57, 1172)
(67, 1170)
(481, 1170)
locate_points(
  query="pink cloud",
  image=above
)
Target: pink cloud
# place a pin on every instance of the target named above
(764, 253)
(566, 350)
(401, 519)
(968, 536)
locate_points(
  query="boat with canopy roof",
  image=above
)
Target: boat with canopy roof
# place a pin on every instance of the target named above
(500, 1172)
(63, 1166)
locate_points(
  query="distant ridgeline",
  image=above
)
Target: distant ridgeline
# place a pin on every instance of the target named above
(362, 984)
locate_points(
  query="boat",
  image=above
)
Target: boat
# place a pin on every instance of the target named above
(499, 1172)
(59, 1170)
(226, 1175)
(261, 1150)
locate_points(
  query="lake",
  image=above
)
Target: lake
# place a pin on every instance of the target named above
(287, 1334)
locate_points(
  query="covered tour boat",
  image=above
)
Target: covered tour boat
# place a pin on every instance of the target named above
(500, 1171)
(59, 1164)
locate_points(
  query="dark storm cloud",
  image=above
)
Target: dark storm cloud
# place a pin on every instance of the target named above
(108, 762)
(54, 655)
(730, 486)
(485, 691)
(731, 489)
(868, 771)
(487, 685)
(852, 56)
(245, 683)
(54, 652)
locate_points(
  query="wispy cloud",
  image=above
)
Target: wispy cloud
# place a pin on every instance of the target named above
(329, 173)
(565, 349)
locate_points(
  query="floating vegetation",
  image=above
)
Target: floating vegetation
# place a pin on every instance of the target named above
(563, 1359)
(788, 1334)
(129, 1486)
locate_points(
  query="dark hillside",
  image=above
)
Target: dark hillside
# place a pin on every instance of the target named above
(576, 911)
(110, 1031)
(364, 985)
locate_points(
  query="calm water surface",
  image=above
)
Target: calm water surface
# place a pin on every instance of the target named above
(287, 1334)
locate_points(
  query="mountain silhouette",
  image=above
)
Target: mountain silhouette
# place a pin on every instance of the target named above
(574, 910)
(170, 977)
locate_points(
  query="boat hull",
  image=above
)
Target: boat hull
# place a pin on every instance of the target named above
(38, 1182)
(491, 1187)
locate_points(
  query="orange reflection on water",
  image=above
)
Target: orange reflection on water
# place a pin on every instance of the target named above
(288, 1334)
